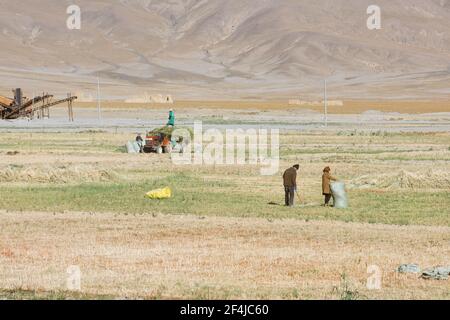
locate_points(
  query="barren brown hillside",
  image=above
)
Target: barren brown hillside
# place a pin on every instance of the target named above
(229, 49)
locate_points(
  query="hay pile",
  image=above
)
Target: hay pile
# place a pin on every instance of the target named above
(403, 180)
(163, 130)
(169, 130)
(58, 174)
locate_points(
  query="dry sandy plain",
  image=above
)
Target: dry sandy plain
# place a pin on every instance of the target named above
(70, 195)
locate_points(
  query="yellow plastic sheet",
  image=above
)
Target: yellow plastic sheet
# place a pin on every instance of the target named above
(165, 193)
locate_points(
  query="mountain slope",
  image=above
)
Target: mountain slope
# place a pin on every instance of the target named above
(222, 49)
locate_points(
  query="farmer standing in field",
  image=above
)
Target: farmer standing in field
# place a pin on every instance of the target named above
(290, 185)
(326, 185)
(140, 143)
(171, 121)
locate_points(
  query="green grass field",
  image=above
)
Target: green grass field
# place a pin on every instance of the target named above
(193, 195)
(237, 191)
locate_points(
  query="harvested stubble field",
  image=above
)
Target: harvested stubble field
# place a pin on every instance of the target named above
(77, 199)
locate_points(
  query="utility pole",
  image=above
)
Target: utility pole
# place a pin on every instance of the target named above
(325, 103)
(70, 107)
(99, 107)
(32, 106)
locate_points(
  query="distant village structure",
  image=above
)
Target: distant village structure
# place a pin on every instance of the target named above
(147, 98)
(85, 96)
(331, 103)
(161, 99)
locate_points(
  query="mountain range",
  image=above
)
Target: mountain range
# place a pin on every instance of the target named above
(228, 49)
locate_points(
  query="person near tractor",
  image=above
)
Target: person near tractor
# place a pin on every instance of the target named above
(290, 185)
(171, 121)
(326, 186)
(140, 143)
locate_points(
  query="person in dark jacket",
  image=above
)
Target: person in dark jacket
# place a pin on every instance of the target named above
(290, 185)
(326, 185)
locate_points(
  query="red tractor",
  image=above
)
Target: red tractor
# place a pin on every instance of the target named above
(159, 143)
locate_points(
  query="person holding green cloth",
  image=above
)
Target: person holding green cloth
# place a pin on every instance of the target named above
(171, 121)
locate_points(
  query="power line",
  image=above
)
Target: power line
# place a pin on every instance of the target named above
(325, 103)
(99, 107)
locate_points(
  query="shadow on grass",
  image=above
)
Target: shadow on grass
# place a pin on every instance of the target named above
(21, 294)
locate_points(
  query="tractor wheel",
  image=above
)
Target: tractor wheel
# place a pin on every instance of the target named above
(159, 150)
